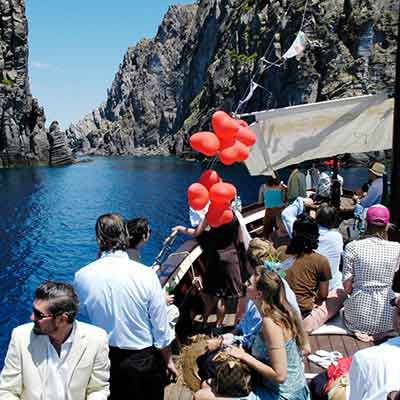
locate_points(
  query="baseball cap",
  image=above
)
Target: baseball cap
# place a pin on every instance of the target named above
(378, 215)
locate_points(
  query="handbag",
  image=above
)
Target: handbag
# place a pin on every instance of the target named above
(232, 377)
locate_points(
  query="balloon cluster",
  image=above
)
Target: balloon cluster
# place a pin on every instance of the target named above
(211, 189)
(231, 141)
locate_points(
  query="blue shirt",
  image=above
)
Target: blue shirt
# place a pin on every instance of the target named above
(290, 214)
(124, 298)
(249, 325)
(374, 194)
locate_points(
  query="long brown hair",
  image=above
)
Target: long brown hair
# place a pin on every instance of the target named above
(274, 304)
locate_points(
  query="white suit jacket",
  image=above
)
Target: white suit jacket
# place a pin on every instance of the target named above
(25, 367)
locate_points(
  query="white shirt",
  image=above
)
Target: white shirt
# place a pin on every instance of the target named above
(375, 372)
(124, 298)
(330, 245)
(58, 369)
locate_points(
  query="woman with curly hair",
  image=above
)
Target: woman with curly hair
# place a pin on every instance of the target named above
(276, 353)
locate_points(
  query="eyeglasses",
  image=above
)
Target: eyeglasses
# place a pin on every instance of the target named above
(38, 315)
(393, 303)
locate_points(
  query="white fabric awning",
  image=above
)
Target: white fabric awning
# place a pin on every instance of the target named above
(292, 135)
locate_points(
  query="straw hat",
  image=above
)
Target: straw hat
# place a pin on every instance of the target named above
(377, 169)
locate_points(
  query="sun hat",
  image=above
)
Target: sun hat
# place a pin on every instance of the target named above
(377, 169)
(378, 215)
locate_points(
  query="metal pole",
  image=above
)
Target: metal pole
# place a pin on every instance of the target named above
(395, 179)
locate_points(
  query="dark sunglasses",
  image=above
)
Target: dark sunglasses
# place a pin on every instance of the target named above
(393, 303)
(38, 315)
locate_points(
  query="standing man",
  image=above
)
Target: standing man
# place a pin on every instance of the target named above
(125, 298)
(296, 186)
(55, 357)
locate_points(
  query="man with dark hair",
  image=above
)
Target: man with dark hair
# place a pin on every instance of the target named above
(139, 233)
(56, 357)
(125, 298)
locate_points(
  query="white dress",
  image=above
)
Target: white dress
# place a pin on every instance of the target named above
(372, 263)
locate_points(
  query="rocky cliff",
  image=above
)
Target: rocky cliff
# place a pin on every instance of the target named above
(204, 56)
(24, 140)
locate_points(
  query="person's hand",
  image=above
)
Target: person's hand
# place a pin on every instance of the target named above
(214, 344)
(169, 299)
(178, 228)
(237, 352)
(228, 339)
(308, 202)
(172, 372)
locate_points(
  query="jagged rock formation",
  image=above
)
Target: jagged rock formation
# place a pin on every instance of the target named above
(204, 56)
(23, 136)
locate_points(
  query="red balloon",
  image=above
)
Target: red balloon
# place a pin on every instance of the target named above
(222, 193)
(227, 142)
(243, 123)
(217, 216)
(224, 126)
(229, 155)
(209, 178)
(198, 196)
(243, 151)
(246, 136)
(205, 142)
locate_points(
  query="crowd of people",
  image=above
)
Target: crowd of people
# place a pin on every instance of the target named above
(286, 285)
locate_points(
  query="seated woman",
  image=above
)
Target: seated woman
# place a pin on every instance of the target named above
(368, 269)
(276, 351)
(308, 275)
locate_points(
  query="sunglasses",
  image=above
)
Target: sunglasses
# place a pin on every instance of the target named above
(393, 303)
(38, 315)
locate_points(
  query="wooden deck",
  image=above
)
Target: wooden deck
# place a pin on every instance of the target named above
(346, 345)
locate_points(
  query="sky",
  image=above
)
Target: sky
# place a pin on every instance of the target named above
(76, 46)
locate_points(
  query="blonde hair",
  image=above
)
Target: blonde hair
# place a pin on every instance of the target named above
(274, 304)
(260, 250)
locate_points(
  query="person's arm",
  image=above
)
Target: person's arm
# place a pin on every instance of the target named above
(261, 194)
(323, 290)
(98, 386)
(192, 231)
(11, 375)
(275, 342)
(372, 195)
(161, 332)
(348, 268)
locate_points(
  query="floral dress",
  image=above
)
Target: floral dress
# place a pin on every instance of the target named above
(371, 263)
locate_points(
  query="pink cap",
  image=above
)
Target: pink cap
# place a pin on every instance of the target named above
(378, 215)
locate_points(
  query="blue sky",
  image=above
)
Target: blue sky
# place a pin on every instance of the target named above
(76, 47)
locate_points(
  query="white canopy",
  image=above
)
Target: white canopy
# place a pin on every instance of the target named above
(291, 135)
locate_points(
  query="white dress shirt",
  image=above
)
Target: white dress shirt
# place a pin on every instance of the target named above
(375, 372)
(124, 298)
(58, 369)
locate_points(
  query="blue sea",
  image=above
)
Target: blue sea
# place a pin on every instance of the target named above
(47, 218)
(48, 215)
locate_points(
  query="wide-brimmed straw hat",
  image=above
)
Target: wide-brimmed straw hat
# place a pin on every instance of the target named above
(377, 169)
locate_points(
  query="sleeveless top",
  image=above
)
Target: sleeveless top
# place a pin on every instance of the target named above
(295, 380)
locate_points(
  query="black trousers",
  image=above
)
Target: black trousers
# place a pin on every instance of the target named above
(137, 374)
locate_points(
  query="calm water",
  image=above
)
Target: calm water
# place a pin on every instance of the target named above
(47, 218)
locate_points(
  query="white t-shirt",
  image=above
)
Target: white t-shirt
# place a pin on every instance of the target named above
(375, 371)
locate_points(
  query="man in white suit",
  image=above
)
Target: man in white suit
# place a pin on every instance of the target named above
(56, 357)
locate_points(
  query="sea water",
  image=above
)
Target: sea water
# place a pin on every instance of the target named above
(48, 215)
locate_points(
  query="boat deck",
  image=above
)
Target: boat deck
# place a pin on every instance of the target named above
(347, 345)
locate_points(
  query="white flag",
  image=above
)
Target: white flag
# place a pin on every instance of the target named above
(297, 46)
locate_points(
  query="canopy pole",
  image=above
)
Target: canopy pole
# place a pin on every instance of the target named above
(395, 179)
